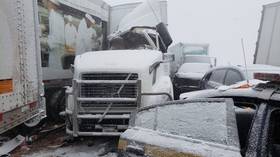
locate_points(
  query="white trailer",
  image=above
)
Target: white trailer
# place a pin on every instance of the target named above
(183, 50)
(268, 47)
(21, 88)
(68, 28)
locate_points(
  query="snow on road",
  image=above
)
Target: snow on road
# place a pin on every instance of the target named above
(57, 145)
(99, 148)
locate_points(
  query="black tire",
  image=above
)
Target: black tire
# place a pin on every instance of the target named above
(176, 93)
(55, 105)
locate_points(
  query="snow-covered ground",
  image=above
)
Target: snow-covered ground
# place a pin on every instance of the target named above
(56, 145)
(99, 148)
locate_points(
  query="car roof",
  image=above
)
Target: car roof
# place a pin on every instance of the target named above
(178, 102)
(261, 67)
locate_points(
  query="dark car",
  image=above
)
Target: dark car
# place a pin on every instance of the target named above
(257, 115)
(188, 77)
(229, 75)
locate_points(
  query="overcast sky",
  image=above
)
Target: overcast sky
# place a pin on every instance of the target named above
(221, 23)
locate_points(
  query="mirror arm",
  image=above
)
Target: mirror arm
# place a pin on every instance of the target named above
(154, 66)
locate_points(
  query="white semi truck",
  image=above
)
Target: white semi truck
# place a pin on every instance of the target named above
(59, 45)
(21, 87)
(268, 47)
(109, 85)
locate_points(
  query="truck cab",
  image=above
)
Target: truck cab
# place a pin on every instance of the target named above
(109, 85)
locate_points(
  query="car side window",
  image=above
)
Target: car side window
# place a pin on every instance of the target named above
(208, 77)
(274, 134)
(232, 77)
(218, 76)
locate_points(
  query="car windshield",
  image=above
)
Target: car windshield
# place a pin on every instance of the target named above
(207, 121)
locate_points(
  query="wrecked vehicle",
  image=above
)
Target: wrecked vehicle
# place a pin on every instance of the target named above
(205, 127)
(109, 85)
(191, 72)
(257, 113)
(253, 118)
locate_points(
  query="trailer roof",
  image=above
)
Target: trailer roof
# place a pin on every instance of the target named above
(276, 4)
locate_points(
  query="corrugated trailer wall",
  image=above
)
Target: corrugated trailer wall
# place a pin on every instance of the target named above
(268, 47)
(20, 71)
(64, 33)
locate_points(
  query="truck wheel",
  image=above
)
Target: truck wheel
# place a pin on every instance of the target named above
(33, 121)
(31, 126)
(56, 105)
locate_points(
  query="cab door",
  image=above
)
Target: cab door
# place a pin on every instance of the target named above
(264, 137)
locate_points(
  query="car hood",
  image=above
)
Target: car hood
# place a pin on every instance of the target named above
(235, 90)
(190, 75)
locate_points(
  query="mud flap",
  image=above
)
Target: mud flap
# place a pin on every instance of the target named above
(9, 146)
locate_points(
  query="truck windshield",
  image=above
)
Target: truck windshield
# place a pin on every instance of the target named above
(129, 41)
(207, 121)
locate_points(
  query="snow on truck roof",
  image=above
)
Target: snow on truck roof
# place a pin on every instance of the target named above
(130, 60)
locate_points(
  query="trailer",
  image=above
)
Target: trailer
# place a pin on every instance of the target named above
(183, 50)
(68, 28)
(21, 88)
(268, 48)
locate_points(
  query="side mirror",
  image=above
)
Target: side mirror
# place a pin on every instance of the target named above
(168, 58)
(67, 60)
(164, 34)
(215, 61)
(72, 68)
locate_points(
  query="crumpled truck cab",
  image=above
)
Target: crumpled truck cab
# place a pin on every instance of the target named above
(109, 85)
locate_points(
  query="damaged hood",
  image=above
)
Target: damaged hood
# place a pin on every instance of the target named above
(149, 13)
(116, 61)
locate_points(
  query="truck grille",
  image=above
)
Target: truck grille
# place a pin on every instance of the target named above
(109, 76)
(109, 90)
(103, 90)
